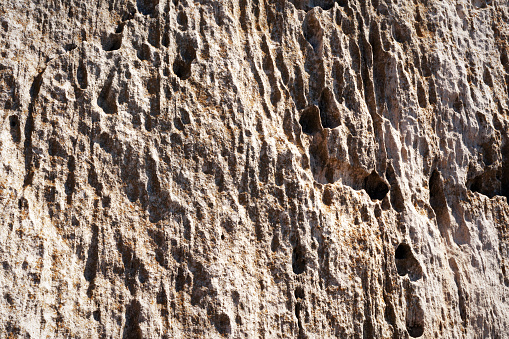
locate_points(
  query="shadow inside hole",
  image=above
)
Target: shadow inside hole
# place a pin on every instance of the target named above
(182, 69)
(15, 128)
(375, 186)
(416, 330)
(298, 260)
(183, 62)
(112, 42)
(406, 263)
(310, 120)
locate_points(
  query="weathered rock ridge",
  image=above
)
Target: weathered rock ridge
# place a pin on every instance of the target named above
(254, 168)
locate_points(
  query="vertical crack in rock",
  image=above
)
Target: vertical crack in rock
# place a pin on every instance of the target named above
(29, 128)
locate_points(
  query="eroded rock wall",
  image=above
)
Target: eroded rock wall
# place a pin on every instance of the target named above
(250, 168)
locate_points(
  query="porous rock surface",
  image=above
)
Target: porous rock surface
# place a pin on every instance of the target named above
(254, 168)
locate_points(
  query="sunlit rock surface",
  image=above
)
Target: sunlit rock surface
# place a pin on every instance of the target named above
(254, 168)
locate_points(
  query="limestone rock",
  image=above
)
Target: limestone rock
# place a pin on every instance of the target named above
(246, 168)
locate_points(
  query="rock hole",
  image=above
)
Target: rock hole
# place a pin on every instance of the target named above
(82, 75)
(182, 20)
(29, 128)
(415, 316)
(488, 80)
(106, 99)
(329, 111)
(182, 64)
(432, 93)
(328, 196)
(111, 42)
(132, 328)
(462, 295)
(406, 263)
(55, 148)
(222, 323)
(274, 245)
(97, 315)
(120, 28)
(181, 280)
(144, 53)
(397, 200)
(92, 260)
(415, 330)
(154, 34)
(421, 95)
(458, 104)
(70, 47)
(147, 7)
(313, 31)
(339, 80)
(106, 202)
(23, 204)
(298, 260)
(15, 128)
(401, 33)
(93, 181)
(9, 298)
(299, 293)
(438, 201)
(375, 186)
(310, 120)
(485, 183)
(283, 70)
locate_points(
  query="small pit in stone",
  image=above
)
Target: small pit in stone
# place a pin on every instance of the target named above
(182, 20)
(406, 263)
(375, 186)
(147, 7)
(15, 128)
(328, 196)
(299, 293)
(183, 62)
(111, 42)
(298, 260)
(310, 120)
(415, 331)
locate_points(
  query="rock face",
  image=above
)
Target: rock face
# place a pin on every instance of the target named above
(254, 168)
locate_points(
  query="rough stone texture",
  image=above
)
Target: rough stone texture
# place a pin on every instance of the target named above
(254, 168)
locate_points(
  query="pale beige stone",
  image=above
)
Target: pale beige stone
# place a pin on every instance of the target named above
(303, 168)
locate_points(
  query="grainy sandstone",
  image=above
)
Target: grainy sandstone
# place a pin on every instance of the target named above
(254, 168)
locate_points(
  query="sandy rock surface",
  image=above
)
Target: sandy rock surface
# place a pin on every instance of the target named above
(254, 168)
